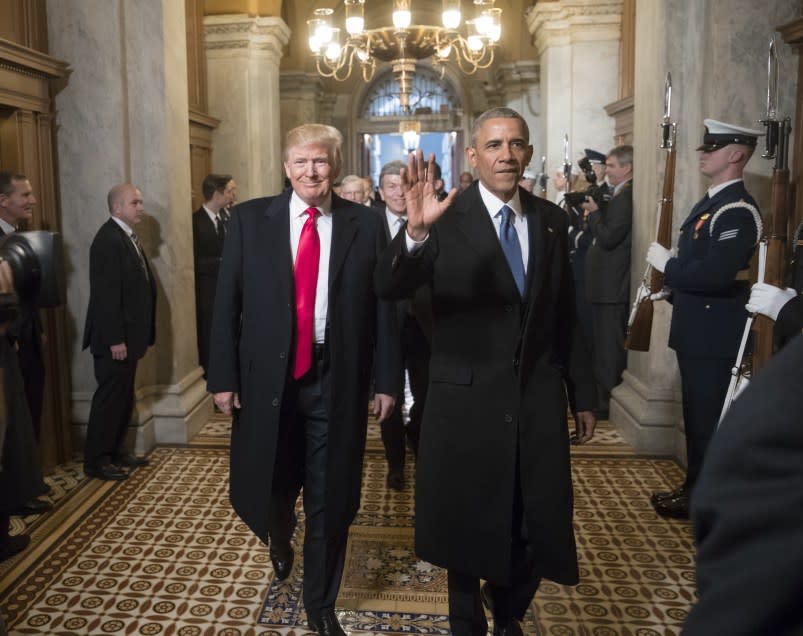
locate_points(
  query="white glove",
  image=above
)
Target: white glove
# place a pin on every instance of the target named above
(658, 255)
(768, 299)
(665, 293)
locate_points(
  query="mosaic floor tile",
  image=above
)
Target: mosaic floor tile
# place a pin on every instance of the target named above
(163, 553)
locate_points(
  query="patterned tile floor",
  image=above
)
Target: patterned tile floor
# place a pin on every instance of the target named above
(163, 553)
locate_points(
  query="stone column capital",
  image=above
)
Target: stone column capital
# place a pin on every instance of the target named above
(565, 22)
(241, 32)
(517, 77)
(299, 84)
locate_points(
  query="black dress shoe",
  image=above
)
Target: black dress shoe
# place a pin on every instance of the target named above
(660, 496)
(108, 472)
(395, 480)
(282, 560)
(130, 461)
(509, 627)
(33, 507)
(13, 545)
(326, 625)
(673, 507)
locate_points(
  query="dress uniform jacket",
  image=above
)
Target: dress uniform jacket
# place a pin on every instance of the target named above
(708, 314)
(496, 400)
(252, 344)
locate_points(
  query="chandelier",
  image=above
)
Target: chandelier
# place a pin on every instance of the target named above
(404, 43)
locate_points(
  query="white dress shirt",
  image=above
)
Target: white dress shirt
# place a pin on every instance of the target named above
(494, 206)
(212, 216)
(395, 223)
(298, 216)
(7, 227)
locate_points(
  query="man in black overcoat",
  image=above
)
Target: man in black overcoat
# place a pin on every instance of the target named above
(208, 232)
(493, 487)
(747, 510)
(296, 333)
(120, 326)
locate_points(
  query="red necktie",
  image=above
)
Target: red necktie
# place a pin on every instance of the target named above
(306, 281)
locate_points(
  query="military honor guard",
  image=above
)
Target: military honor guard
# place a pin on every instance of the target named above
(707, 277)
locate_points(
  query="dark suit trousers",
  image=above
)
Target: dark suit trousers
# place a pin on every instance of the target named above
(415, 349)
(704, 385)
(33, 375)
(111, 409)
(610, 357)
(466, 616)
(301, 460)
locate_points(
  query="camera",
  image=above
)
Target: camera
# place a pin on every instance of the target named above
(598, 192)
(36, 260)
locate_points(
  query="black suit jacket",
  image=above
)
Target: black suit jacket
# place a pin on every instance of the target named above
(122, 298)
(207, 248)
(252, 349)
(607, 263)
(496, 389)
(747, 510)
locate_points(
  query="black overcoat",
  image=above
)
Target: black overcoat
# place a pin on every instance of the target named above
(747, 510)
(252, 345)
(496, 389)
(607, 263)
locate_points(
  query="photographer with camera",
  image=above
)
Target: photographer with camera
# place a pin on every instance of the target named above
(25, 332)
(608, 272)
(31, 272)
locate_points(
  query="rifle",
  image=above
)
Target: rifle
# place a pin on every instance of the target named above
(543, 178)
(567, 164)
(639, 327)
(777, 147)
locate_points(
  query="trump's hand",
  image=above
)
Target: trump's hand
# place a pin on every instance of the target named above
(226, 401)
(584, 424)
(768, 300)
(119, 351)
(383, 406)
(420, 196)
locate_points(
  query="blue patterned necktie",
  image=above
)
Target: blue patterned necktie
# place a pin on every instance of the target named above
(509, 239)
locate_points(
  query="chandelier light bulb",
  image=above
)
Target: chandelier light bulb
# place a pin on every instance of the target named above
(355, 21)
(355, 25)
(494, 18)
(451, 18)
(402, 15)
(444, 51)
(483, 23)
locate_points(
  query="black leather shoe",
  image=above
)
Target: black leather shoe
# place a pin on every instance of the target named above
(282, 560)
(109, 472)
(395, 480)
(13, 545)
(673, 507)
(33, 507)
(660, 496)
(507, 628)
(326, 625)
(131, 461)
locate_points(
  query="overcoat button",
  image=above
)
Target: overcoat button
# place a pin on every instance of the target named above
(508, 308)
(282, 355)
(275, 402)
(708, 306)
(508, 418)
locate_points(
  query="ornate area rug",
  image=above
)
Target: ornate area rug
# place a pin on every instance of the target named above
(163, 553)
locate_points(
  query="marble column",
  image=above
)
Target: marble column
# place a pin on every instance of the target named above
(518, 86)
(242, 57)
(122, 117)
(301, 97)
(578, 53)
(716, 52)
